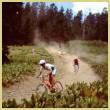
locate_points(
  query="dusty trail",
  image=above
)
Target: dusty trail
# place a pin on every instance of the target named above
(26, 87)
(23, 89)
(64, 64)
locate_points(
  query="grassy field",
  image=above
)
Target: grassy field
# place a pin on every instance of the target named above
(76, 95)
(22, 62)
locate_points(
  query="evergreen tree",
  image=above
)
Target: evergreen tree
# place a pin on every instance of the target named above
(90, 27)
(102, 25)
(77, 25)
(11, 23)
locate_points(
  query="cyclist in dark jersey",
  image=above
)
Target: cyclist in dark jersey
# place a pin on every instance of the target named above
(76, 65)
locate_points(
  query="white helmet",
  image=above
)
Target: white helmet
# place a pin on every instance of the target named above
(42, 62)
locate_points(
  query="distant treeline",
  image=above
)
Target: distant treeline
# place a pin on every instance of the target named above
(22, 23)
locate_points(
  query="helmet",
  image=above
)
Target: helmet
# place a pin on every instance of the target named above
(42, 62)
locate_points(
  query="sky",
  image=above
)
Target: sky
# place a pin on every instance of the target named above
(86, 7)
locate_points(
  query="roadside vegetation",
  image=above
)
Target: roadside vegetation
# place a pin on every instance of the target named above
(77, 95)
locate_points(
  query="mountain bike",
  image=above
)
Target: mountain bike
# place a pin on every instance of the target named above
(45, 86)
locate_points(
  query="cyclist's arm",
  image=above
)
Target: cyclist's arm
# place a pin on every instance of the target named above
(41, 68)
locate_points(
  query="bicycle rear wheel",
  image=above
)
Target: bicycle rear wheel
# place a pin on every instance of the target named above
(41, 89)
(58, 86)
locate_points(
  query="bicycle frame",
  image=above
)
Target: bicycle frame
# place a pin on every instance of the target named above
(45, 82)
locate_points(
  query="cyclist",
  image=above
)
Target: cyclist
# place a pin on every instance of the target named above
(46, 66)
(76, 64)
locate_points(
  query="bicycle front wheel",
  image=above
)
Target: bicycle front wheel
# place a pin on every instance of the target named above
(41, 89)
(58, 86)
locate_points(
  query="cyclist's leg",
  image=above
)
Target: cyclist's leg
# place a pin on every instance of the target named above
(74, 68)
(78, 67)
(52, 78)
(52, 82)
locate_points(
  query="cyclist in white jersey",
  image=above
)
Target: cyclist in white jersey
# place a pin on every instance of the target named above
(51, 68)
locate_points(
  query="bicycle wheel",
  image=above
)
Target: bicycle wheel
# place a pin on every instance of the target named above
(58, 86)
(41, 88)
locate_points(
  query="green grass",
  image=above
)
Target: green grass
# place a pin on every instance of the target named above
(15, 71)
(22, 62)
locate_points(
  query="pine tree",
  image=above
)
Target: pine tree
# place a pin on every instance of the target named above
(90, 27)
(77, 25)
(102, 25)
(11, 23)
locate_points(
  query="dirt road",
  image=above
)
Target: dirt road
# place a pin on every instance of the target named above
(64, 64)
